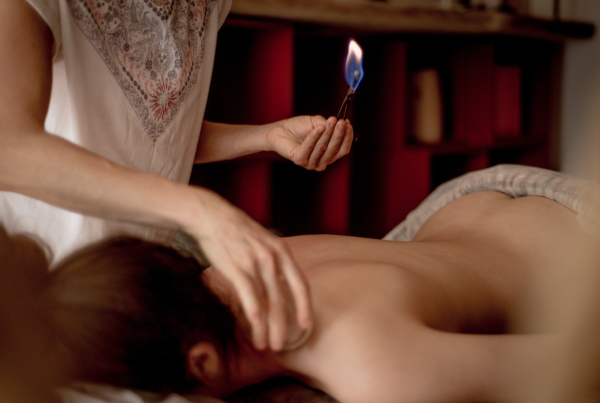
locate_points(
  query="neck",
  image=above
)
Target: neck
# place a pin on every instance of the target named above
(252, 366)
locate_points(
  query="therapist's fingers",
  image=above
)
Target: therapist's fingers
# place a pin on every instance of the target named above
(307, 146)
(247, 283)
(275, 272)
(347, 142)
(333, 146)
(287, 295)
(290, 307)
(275, 299)
(300, 292)
(322, 144)
(318, 120)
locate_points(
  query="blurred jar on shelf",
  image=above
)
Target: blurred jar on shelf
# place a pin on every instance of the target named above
(427, 109)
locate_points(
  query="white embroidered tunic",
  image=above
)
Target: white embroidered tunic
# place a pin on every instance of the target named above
(130, 83)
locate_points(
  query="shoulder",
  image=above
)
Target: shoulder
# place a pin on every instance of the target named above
(408, 364)
(417, 364)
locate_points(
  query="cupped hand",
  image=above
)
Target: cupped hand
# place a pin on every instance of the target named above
(312, 142)
(260, 268)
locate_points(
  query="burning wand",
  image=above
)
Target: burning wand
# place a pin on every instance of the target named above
(353, 73)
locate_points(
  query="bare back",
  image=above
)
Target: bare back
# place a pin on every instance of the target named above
(400, 313)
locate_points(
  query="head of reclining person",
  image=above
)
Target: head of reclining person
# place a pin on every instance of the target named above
(134, 314)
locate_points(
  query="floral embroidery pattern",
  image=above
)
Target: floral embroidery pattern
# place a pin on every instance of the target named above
(153, 48)
(163, 99)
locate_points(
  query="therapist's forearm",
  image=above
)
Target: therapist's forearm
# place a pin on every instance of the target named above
(51, 169)
(220, 141)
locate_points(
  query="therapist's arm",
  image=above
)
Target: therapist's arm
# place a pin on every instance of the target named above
(46, 167)
(311, 142)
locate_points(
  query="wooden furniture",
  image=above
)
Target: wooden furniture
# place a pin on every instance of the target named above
(500, 91)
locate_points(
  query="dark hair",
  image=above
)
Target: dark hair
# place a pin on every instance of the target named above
(24, 378)
(126, 311)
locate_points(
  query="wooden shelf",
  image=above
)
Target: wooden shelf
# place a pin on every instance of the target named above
(390, 18)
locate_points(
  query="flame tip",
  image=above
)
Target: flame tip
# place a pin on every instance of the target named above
(353, 69)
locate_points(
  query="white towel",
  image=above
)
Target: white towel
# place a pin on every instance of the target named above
(579, 195)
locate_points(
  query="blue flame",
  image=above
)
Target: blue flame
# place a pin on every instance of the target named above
(354, 71)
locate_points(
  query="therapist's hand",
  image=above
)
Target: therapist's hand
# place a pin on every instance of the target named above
(312, 142)
(261, 269)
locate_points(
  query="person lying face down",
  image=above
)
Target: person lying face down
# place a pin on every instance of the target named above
(427, 320)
